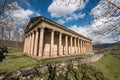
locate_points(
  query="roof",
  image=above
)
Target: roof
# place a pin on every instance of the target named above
(38, 19)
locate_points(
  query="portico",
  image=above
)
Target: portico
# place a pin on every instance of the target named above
(45, 38)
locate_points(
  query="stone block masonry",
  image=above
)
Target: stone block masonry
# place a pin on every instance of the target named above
(47, 69)
(47, 39)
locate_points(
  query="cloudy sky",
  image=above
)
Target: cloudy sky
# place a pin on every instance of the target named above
(78, 15)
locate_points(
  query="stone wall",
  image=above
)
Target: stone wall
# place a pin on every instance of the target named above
(49, 69)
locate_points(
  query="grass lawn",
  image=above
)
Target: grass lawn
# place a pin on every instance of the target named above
(16, 60)
(110, 66)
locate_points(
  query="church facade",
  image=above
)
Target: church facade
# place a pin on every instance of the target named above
(47, 39)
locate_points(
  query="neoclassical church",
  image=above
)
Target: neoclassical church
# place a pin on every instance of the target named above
(47, 39)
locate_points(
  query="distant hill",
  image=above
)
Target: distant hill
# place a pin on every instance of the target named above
(106, 45)
(107, 48)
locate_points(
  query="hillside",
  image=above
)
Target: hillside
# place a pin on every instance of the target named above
(107, 48)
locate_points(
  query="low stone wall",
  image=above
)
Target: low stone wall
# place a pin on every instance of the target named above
(49, 69)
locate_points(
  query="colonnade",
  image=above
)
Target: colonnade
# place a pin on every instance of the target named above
(73, 45)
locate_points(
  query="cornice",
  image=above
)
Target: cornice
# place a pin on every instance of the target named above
(46, 20)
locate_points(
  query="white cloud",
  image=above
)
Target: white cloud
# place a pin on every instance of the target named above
(60, 21)
(21, 14)
(105, 28)
(57, 10)
(74, 16)
(70, 18)
(88, 32)
(80, 29)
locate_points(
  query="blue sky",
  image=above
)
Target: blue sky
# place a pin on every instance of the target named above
(78, 15)
(41, 6)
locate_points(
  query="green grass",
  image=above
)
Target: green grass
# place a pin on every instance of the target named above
(15, 60)
(60, 59)
(110, 66)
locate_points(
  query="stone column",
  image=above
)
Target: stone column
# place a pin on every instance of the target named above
(27, 44)
(75, 45)
(36, 43)
(71, 45)
(25, 41)
(60, 42)
(91, 47)
(66, 44)
(80, 45)
(52, 43)
(78, 48)
(32, 46)
(85, 45)
(30, 40)
(31, 43)
(41, 42)
(88, 47)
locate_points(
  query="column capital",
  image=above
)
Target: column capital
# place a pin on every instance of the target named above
(60, 32)
(32, 32)
(52, 30)
(36, 30)
(41, 27)
(71, 35)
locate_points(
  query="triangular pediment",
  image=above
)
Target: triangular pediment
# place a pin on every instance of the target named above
(32, 22)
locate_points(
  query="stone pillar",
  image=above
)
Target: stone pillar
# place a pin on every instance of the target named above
(91, 47)
(66, 44)
(85, 45)
(26, 49)
(78, 48)
(30, 40)
(71, 45)
(60, 42)
(31, 43)
(32, 46)
(25, 41)
(88, 47)
(28, 43)
(41, 42)
(75, 46)
(80, 45)
(36, 43)
(25, 45)
(52, 43)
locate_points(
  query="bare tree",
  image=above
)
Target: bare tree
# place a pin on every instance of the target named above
(6, 7)
(11, 28)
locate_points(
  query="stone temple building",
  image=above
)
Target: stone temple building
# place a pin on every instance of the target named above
(47, 39)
